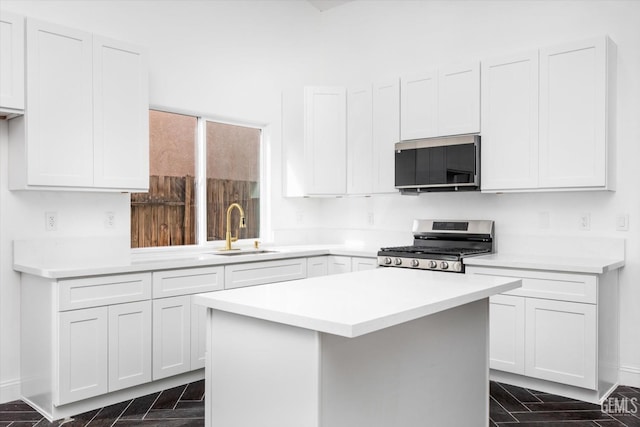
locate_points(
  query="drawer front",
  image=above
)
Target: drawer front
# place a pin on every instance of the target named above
(547, 285)
(103, 290)
(260, 273)
(186, 281)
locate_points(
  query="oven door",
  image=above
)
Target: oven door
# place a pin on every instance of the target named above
(437, 164)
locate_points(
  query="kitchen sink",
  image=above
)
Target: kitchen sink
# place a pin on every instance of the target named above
(243, 252)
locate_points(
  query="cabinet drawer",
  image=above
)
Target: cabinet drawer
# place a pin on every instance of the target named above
(260, 273)
(171, 283)
(103, 290)
(547, 285)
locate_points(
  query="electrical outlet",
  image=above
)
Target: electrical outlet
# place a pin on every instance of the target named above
(51, 221)
(585, 221)
(622, 222)
(109, 220)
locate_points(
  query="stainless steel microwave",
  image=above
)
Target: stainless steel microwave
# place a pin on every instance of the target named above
(438, 164)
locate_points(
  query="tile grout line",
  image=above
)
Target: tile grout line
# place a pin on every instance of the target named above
(505, 409)
(180, 398)
(517, 400)
(122, 412)
(151, 406)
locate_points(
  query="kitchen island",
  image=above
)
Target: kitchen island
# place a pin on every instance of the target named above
(386, 347)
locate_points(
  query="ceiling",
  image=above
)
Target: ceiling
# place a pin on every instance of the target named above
(323, 5)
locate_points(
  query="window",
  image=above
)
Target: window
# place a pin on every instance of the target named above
(224, 159)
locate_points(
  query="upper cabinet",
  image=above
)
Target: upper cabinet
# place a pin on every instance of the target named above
(386, 132)
(441, 102)
(325, 140)
(359, 140)
(86, 122)
(545, 119)
(11, 64)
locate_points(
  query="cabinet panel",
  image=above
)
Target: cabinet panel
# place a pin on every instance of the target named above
(171, 336)
(325, 140)
(317, 266)
(561, 342)
(168, 283)
(419, 106)
(510, 122)
(573, 108)
(339, 264)
(103, 290)
(361, 264)
(198, 336)
(11, 62)
(260, 273)
(129, 344)
(507, 320)
(359, 141)
(459, 99)
(386, 132)
(121, 117)
(60, 106)
(82, 370)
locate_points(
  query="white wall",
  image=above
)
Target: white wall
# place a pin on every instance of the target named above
(394, 38)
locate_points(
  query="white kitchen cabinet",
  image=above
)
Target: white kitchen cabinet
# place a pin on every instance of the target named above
(419, 105)
(459, 99)
(86, 95)
(129, 344)
(317, 266)
(361, 264)
(441, 102)
(120, 115)
(183, 281)
(507, 316)
(359, 140)
(171, 336)
(82, 354)
(561, 342)
(510, 122)
(574, 113)
(325, 138)
(263, 272)
(198, 336)
(11, 64)
(339, 264)
(557, 333)
(386, 132)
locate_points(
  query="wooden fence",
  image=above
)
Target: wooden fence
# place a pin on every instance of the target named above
(166, 215)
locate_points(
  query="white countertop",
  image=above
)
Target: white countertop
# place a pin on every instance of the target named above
(597, 265)
(358, 303)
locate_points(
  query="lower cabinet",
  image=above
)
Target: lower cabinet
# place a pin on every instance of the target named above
(263, 272)
(339, 264)
(317, 266)
(506, 333)
(171, 336)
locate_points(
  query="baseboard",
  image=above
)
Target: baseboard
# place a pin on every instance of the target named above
(9, 391)
(630, 376)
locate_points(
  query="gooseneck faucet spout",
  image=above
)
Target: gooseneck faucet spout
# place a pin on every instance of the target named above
(243, 224)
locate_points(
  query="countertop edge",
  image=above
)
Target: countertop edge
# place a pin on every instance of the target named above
(575, 265)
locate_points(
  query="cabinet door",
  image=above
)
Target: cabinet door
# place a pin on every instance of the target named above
(198, 336)
(260, 273)
(459, 99)
(386, 132)
(506, 314)
(129, 344)
(419, 106)
(171, 336)
(59, 106)
(11, 61)
(325, 141)
(359, 141)
(573, 109)
(361, 264)
(510, 122)
(339, 264)
(317, 266)
(82, 363)
(561, 342)
(121, 115)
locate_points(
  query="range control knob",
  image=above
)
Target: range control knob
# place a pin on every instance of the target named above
(433, 264)
(415, 263)
(387, 261)
(398, 261)
(457, 266)
(444, 265)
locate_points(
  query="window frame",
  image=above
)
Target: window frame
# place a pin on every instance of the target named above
(200, 183)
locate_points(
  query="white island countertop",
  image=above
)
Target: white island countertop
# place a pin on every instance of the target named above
(572, 264)
(358, 303)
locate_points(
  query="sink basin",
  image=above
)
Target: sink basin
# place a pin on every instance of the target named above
(243, 252)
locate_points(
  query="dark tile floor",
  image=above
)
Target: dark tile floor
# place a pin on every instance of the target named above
(184, 406)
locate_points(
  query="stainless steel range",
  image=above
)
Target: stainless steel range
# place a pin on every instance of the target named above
(441, 245)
